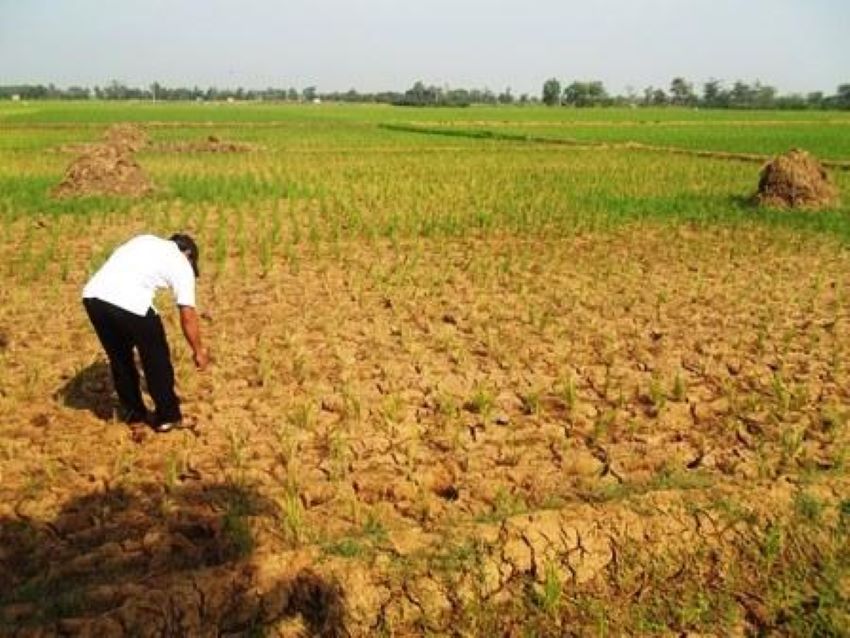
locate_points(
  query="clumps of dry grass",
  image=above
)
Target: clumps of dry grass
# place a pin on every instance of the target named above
(128, 136)
(795, 179)
(212, 144)
(109, 168)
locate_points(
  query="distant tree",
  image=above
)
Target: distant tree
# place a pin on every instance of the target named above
(586, 94)
(842, 96)
(551, 92)
(76, 93)
(597, 94)
(793, 101)
(418, 93)
(458, 97)
(714, 95)
(659, 97)
(682, 92)
(421, 95)
(741, 95)
(815, 99)
(631, 97)
(505, 97)
(115, 90)
(292, 94)
(763, 95)
(309, 94)
(39, 91)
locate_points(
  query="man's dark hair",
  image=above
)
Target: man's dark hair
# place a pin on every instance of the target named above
(187, 245)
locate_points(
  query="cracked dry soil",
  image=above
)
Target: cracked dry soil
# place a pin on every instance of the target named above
(392, 434)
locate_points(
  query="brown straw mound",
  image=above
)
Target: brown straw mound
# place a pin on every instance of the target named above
(795, 180)
(129, 136)
(108, 168)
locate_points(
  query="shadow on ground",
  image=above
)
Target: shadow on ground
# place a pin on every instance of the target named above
(153, 561)
(90, 389)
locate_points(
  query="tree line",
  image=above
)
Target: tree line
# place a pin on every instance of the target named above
(714, 94)
(418, 95)
(680, 92)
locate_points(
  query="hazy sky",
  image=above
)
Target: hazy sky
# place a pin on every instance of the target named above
(795, 45)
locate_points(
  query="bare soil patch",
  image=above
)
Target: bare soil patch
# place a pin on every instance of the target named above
(402, 437)
(796, 180)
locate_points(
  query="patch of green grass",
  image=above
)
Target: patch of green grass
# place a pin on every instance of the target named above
(808, 507)
(456, 557)
(29, 195)
(505, 505)
(547, 595)
(675, 478)
(232, 189)
(481, 402)
(362, 543)
(667, 478)
(346, 548)
(374, 529)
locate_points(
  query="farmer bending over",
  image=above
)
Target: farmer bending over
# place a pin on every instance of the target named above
(119, 302)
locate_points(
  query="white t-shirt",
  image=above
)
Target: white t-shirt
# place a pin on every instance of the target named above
(130, 277)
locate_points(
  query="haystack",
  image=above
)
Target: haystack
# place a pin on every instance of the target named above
(795, 180)
(128, 136)
(104, 170)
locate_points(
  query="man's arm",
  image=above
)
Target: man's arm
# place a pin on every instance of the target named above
(192, 331)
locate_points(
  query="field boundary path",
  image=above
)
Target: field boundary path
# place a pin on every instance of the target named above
(630, 145)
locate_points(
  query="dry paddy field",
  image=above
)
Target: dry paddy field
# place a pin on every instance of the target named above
(459, 386)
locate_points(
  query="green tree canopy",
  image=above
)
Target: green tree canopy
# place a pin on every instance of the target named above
(551, 92)
(682, 92)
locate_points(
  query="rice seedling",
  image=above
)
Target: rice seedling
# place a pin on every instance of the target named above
(481, 402)
(301, 417)
(292, 518)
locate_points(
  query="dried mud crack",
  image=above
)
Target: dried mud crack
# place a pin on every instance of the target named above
(656, 420)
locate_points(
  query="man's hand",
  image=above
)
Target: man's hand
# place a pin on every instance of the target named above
(202, 359)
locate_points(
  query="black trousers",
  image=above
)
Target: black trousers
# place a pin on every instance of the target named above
(120, 332)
